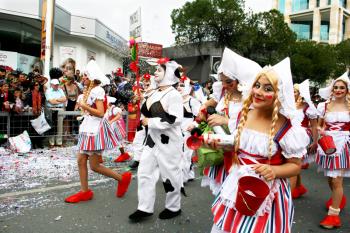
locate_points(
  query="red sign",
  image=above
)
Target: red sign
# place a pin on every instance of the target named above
(149, 50)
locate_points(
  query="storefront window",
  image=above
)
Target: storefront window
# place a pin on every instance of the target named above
(299, 5)
(281, 5)
(302, 29)
(324, 31)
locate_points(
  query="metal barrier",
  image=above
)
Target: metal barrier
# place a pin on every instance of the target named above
(65, 127)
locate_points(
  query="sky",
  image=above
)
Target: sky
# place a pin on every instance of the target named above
(155, 15)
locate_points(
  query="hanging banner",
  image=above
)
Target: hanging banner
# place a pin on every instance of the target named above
(43, 29)
(150, 50)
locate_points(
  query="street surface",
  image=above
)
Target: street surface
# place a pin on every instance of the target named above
(33, 187)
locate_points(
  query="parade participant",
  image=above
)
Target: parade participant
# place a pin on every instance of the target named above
(306, 116)
(191, 110)
(234, 71)
(95, 136)
(149, 86)
(335, 121)
(162, 152)
(267, 150)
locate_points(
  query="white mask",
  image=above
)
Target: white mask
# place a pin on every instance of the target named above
(159, 74)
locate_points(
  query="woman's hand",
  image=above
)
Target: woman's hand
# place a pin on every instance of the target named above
(313, 147)
(190, 127)
(81, 105)
(265, 170)
(217, 120)
(144, 121)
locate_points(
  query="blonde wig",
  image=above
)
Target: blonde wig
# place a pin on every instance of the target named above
(273, 79)
(299, 101)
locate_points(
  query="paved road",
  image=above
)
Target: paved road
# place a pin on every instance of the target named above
(45, 212)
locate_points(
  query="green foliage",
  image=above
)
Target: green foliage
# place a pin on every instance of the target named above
(314, 61)
(208, 20)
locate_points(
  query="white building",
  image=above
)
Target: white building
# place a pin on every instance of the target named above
(75, 36)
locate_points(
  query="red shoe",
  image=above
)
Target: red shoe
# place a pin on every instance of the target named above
(122, 157)
(331, 221)
(123, 184)
(305, 166)
(302, 190)
(295, 193)
(342, 203)
(80, 196)
(195, 159)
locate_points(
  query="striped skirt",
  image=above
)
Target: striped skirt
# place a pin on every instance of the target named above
(337, 164)
(119, 129)
(105, 139)
(213, 177)
(278, 220)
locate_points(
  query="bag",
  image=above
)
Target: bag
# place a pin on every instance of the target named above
(21, 143)
(40, 124)
(208, 156)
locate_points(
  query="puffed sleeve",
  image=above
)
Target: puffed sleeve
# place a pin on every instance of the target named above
(311, 112)
(217, 91)
(321, 109)
(294, 143)
(97, 93)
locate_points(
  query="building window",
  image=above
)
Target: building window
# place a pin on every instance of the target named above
(302, 29)
(281, 6)
(329, 2)
(299, 5)
(342, 3)
(317, 3)
(324, 31)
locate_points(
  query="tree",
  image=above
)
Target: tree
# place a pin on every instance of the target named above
(314, 61)
(343, 57)
(273, 40)
(209, 20)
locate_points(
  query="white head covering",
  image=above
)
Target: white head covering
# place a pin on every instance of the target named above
(304, 90)
(93, 71)
(169, 76)
(111, 99)
(285, 87)
(239, 68)
(325, 92)
(153, 83)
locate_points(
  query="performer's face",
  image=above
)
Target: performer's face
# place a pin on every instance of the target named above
(340, 89)
(159, 74)
(227, 83)
(296, 94)
(263, 93)
(181, 87)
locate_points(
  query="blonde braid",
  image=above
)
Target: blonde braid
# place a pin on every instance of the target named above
(227, 98)
(242, 121)
(273, 124)
(87, 92)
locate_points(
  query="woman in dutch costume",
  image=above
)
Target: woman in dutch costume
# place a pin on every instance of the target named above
(161, 156)
(268, 147)
(95, 136)
(335, 122)
(235, 71)
(306, 116)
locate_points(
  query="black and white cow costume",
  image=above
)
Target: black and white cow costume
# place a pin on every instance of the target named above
(162, 152)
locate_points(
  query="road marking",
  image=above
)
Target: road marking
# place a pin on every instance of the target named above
(58, 187)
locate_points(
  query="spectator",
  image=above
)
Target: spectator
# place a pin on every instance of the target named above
(2, 72)
(35, 99)
(5, 97)
(208, 87)
(55, 100)
(18, 101)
